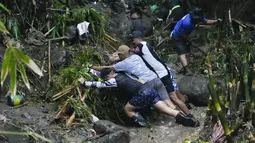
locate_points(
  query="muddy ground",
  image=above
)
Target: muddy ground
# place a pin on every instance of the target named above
(39, 118)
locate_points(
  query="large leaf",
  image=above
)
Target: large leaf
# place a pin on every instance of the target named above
(13, 74)
(24, 75)
(4, 8)
(3, 28)
(29, 62)
(6, 64)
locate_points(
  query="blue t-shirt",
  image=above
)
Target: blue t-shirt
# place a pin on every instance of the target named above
(185, 25)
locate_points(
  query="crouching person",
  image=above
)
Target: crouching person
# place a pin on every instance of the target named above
(141, 97)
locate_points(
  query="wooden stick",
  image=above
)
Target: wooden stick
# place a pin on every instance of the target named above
(63, 91)
(230, 21)
(49, 60)
(47, 33)
(60, 38)
(70, 121)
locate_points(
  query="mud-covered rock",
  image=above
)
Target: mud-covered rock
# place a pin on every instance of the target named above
(60, 56)
(12, 138)
(35, 37)
(112, 132)
(120, 136)
(103, 126)
(196, 88)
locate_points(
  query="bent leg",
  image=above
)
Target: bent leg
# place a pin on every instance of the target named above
(179, 103)
(180, 96)
(169, 103)
(135, 117)
(129, 109)
(161, 106)
(184, 60)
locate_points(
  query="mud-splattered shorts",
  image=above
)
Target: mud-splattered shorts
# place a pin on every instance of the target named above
(146, 97)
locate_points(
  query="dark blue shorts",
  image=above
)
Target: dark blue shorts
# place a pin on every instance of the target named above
(181, 45)
(146, 97)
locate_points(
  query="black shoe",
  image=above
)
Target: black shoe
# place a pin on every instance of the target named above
(186, 121)
(190, 116)
(139, 120)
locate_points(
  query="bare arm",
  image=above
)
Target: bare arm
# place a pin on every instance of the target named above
(208, 21)
(99, 68)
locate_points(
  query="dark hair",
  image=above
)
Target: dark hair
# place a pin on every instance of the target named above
(197, 14)
(105, 72)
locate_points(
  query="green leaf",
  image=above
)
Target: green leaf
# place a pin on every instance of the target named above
(5, 66)
(21, 56)
(3, 28)
(26, 60)
(13, 74)
(4, 8)
(34, 2)
(24, 75)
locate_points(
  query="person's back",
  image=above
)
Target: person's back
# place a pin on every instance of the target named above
(126, 83)
(135, 66)
(184, 25)
(148, 54)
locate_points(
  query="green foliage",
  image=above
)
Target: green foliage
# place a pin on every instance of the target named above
(3, 28)
(230, 61)
(81, 14)
(78, 68)
(69, 75)
(4, 8)
(12, 57)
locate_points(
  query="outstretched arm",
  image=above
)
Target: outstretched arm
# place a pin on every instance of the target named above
(106, 84)
(94, 72)
(99, 68)
(208, 21)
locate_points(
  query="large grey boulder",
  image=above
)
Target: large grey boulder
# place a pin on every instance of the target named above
(196, 88)
(112, 133)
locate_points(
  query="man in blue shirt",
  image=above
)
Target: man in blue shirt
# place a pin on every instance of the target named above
(181, 32)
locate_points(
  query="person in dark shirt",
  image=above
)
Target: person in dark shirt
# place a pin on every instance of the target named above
(175, 10)
(141, 96)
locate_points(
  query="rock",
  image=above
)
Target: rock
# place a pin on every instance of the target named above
(196, 89)
(59, 56)
(35, 37)
(3, 118)
(103, 126)
(113, 133)
(26, 115)
(120, 136)
(72, 33)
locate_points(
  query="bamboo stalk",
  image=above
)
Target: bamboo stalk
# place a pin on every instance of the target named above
(253, 94)
(209, 107)
(216, 102)
(49, 60)
(245, 67)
